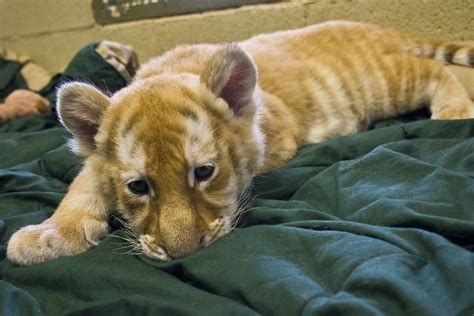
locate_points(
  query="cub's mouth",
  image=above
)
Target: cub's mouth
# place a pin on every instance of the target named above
(151, 247)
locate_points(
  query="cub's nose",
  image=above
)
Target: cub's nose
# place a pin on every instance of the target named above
(167, 243)
(160, 251)
(181, 248)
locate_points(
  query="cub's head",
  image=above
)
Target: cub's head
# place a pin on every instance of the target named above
(172, 152)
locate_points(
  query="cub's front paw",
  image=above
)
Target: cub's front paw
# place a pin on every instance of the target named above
(38, 243)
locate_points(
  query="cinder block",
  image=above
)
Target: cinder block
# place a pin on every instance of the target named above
(152, 37)
(440, 19)
(29, 17)
(222, 26)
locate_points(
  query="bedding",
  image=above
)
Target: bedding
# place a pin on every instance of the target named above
(376, 223)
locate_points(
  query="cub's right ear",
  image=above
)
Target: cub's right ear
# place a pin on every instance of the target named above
(80, 109)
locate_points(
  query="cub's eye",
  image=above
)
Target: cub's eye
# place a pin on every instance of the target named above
(138, 187)
(203, 173)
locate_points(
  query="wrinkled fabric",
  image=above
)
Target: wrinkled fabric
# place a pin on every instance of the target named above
(381, 222)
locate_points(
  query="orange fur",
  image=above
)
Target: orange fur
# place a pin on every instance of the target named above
(238, 109)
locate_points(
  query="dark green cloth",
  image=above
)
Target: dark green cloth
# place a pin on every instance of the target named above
(87, 66)
(10, 78)
(376, 223)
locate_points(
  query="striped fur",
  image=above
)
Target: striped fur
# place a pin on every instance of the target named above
(240, 108)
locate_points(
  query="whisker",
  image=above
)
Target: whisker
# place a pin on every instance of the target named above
(129, 244)
(127, 250)
(135, 252)
(242, 206)
(128, 253)
(127, 247)
(121, 237)
(132, 248)
(127, 227)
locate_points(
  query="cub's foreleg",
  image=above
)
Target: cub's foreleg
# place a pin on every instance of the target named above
(77, 225)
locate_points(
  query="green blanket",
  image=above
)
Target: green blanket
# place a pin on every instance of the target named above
(380, 222)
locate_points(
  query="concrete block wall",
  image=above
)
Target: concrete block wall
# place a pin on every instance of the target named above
(52, 31)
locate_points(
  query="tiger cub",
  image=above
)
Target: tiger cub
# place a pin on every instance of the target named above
(172, 152)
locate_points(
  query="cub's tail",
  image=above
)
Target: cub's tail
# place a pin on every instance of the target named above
(456, 54)
(448, 53)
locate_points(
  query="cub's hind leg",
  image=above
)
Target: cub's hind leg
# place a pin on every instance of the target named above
(421, 80)
(465, 76)
(449, 99)
(77, 225)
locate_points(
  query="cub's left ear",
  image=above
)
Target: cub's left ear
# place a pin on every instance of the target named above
(231, 75)
(80, 109)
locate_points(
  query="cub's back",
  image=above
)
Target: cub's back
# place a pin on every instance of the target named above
(334, 78)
